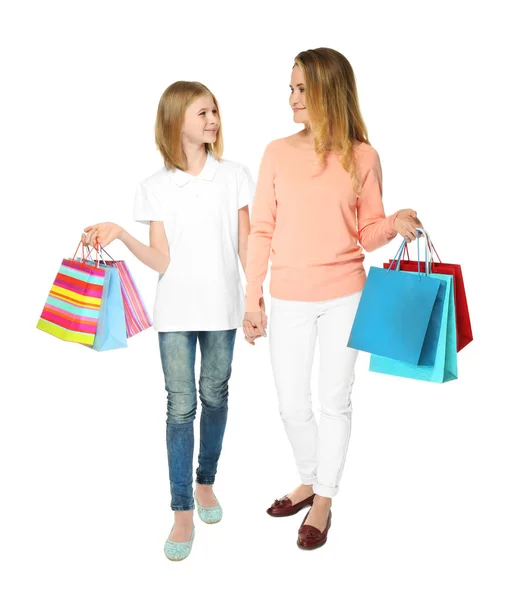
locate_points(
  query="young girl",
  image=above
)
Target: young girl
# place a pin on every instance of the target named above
(197, 210)
(327, 182)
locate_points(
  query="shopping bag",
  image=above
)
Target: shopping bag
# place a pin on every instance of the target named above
(463, 325)
(111, 329)
(446, 362)
(71, 310)
(428, 352)
(394, 312)
(136, 315)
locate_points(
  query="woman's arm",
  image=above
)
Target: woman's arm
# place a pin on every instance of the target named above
(263, 222)
(374, 228)
(155, 256)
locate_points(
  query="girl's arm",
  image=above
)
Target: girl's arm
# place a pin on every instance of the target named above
(244, 229)
(155, 256)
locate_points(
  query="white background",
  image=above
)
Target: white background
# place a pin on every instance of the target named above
(425, 507)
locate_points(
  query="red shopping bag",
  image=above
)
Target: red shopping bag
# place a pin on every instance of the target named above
(463, 326)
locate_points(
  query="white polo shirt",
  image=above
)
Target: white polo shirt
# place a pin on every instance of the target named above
(201, 289)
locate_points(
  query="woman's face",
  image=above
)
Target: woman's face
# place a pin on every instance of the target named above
(201, 121)
(297, 96)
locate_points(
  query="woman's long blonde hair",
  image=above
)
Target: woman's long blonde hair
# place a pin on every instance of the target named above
(169, 122)
(332, 104)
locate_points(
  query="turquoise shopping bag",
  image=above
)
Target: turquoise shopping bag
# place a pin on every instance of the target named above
(446, 360)
(395, 312)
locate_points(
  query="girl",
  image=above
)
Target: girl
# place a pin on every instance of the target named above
(196, 206)
(318, 199)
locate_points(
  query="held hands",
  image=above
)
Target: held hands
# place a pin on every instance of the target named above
(103, 233)
(406, 222)
(255, 324)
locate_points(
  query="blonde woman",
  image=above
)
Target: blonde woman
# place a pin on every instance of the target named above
(318, 202)
(196, 207)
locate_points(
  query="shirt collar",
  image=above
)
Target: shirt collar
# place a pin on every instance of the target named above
(207, 174)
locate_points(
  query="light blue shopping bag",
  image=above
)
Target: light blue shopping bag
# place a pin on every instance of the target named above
(395, 313)
(111, 329)
(446, 360)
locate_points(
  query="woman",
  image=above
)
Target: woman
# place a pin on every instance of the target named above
(318, 201)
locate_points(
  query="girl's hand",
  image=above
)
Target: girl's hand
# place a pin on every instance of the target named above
(103, 233)
(406, 222)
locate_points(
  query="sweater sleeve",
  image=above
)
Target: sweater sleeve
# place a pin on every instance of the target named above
(263, 220)
(374, 228)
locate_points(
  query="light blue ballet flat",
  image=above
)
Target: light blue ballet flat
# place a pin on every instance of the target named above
(178, 550)
(209, 514)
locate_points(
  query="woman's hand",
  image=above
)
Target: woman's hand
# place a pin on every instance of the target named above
(406, 222)
(103, 233)
(255, 324)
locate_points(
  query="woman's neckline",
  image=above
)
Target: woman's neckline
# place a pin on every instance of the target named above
(286, 140)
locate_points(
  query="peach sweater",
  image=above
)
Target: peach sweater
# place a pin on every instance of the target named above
(310, 223)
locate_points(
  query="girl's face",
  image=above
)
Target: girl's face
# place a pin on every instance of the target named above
(297, 96)
(201, 121)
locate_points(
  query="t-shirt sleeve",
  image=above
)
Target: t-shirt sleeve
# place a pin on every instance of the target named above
(147, 206)
(245, 187)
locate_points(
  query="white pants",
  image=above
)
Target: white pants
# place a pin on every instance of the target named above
(294, 326)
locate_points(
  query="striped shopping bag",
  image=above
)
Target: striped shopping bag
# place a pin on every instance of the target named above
(136, 315)
(71, 310)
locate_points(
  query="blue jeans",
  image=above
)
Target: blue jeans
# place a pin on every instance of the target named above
(178, 354)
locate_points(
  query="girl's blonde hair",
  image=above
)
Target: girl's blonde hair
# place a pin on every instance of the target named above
(169, 122)
(332, 104)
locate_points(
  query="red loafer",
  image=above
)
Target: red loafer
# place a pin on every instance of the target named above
(285, 508)
(309, 537)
